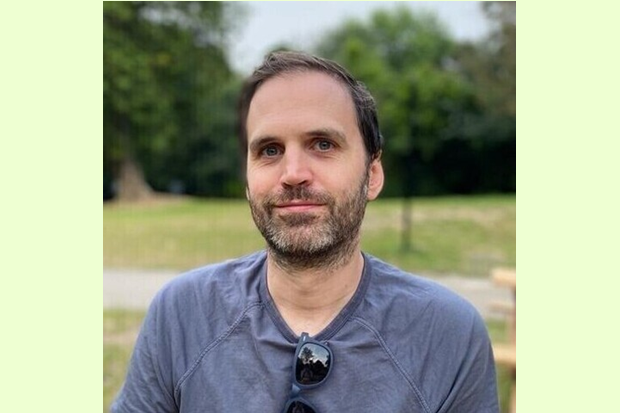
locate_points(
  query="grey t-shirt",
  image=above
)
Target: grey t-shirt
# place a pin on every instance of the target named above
(213, 341)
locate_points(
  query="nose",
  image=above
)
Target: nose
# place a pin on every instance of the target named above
(296, 169)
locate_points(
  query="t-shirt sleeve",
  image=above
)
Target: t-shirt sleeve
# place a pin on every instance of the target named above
(474, 388)
(145, 388)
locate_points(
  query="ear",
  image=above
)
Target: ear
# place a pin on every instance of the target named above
(247, 192)
(375, 179)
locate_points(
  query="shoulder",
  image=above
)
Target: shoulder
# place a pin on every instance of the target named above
(186, 316)
(438, 337)
(197, 307)
(218, 293)
(415, 296)
(227, 277)
(415, 315)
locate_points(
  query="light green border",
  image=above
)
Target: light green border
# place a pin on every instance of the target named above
(51, 174)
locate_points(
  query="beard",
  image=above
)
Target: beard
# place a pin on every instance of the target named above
(304, 240)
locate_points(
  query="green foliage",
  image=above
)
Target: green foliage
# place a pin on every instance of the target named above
(490, 66)
(405, 60)
(169, 93)
(447, 110)
(433, 112)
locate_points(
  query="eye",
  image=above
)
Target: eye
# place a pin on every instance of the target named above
(324, 145)
(270, 151)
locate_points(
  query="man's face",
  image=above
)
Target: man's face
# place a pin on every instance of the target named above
(308, 176)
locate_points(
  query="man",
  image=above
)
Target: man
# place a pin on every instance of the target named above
(311, 324)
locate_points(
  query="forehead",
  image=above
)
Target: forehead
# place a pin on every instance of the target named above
(306, 99)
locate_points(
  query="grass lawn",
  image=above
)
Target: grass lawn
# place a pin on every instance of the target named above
(120, 329)
(462, 235)
(498, 334)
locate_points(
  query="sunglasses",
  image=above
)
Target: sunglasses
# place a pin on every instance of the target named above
(312, 365)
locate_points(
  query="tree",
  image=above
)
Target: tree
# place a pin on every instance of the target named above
(407, 62)
(490, 66)
(162, 62)
(501, 51)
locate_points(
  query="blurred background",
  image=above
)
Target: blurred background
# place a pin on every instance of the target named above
(443, 75)
(172, 72)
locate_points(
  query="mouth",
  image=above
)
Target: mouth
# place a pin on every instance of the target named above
(298, 206)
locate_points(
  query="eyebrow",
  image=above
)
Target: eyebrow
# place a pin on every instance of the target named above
(258, 143)
(327, 133)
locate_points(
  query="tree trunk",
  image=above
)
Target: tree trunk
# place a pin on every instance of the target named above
(131, 185)
(405, 241)
(408, 177)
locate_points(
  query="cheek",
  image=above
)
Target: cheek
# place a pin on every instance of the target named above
(256, 186)
(261, 179)
(252, 178)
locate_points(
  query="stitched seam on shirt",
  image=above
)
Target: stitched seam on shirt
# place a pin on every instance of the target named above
(210, 347)
(400, 368)
(157, 368)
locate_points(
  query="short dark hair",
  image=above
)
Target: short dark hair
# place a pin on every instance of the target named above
(278, 63)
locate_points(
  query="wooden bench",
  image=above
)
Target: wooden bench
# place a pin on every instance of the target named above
(506, 353)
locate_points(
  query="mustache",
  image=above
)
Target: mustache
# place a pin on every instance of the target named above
(298, 193)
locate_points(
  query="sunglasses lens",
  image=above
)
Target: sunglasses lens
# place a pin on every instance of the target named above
(299, 407)
(313, 363)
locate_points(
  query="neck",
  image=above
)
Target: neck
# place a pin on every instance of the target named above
(309, 299)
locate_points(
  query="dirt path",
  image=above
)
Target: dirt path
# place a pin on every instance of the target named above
(134, 289)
